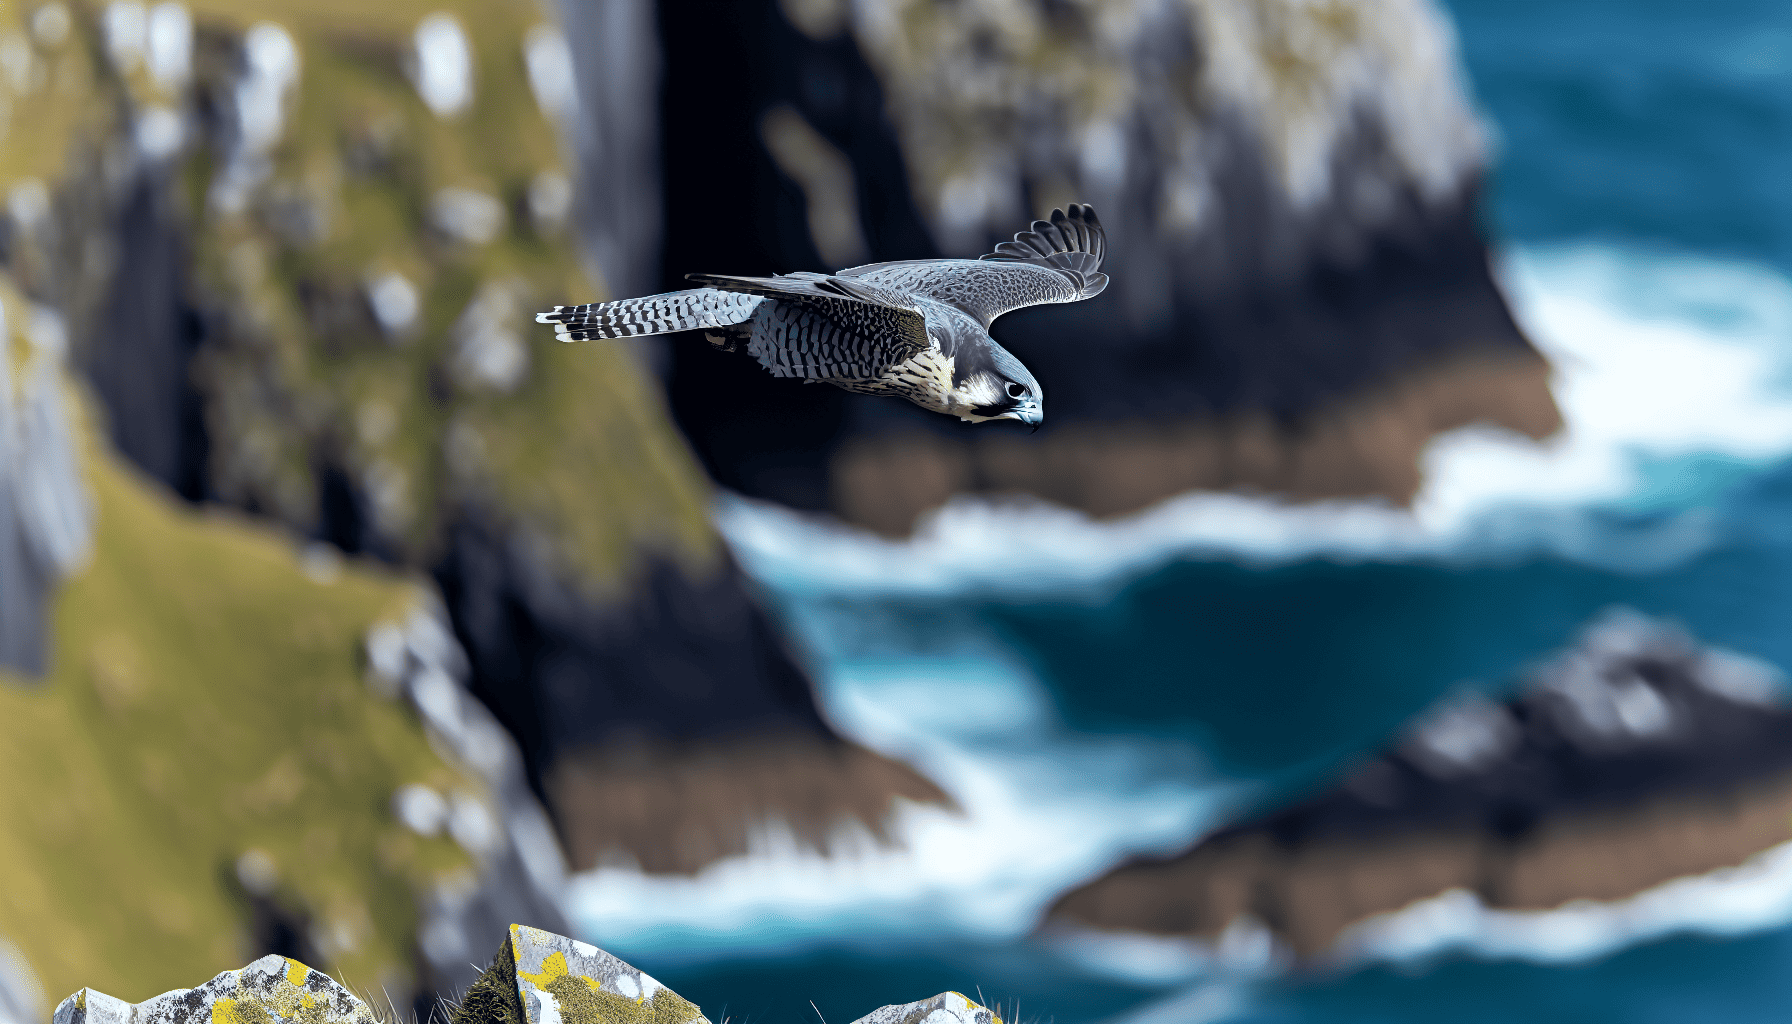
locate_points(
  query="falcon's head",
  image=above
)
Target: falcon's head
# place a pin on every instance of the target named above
(1002, 389)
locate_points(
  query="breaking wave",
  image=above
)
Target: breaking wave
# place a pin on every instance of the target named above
(1039, 810)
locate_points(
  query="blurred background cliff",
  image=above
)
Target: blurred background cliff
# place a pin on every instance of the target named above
(1383, 626)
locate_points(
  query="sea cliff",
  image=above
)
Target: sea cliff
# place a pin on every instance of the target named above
(282, 259)
(1301, 297)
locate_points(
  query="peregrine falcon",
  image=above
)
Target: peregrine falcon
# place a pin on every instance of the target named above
(914, 328)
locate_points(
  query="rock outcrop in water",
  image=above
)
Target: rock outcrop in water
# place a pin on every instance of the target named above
(1633, 758)
(1300, 299)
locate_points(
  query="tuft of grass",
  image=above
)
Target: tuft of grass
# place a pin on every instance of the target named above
(492, 998)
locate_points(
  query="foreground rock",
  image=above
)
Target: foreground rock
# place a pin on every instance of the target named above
(272, 990)
(537, 977)
(542, 978)
(1633, 758)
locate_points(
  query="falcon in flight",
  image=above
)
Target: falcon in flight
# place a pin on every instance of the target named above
(914, 328)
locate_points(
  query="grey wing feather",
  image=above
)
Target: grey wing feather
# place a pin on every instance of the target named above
(1053, 261)
(823, 327)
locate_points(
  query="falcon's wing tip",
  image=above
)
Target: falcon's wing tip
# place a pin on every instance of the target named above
(1065, 242)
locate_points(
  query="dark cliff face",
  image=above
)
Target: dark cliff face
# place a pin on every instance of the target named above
(143, 374)
(1635, 757)
(684, 656)
(728, 208)
(235, 340)
(1262, 285)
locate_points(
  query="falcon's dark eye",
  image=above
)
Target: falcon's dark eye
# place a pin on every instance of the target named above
(1017, 391)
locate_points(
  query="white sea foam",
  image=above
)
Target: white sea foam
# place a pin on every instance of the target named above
(1039, 811)
(1753, 896)
(1658, 359)
(1221, 976)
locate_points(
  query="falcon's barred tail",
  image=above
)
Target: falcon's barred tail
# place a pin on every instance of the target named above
(653, 314)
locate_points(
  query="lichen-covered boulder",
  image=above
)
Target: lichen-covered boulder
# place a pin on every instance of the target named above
(542, 978)
(945, 1008)
(272, 990)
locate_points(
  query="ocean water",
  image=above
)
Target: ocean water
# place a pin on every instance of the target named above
(1092, 690)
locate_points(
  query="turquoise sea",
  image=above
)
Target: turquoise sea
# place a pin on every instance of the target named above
(1093, 690)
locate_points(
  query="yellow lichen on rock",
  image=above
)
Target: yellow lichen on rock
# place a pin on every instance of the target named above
(264, 992)
(564, 981)
(552, 970)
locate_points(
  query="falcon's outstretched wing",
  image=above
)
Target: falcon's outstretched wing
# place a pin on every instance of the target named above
(828, 328)
(1053, 261)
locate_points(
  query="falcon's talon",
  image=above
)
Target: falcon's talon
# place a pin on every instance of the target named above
(914, 328)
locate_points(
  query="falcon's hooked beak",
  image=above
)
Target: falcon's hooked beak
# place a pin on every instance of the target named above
(1027, 412)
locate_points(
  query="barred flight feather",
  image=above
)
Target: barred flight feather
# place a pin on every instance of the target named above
(652, 314)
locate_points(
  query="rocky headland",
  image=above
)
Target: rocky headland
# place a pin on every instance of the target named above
(1300, 295)
(1635, 757)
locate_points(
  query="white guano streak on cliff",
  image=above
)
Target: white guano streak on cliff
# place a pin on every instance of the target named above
(46, 521)
(442, 66)
(270, 70)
